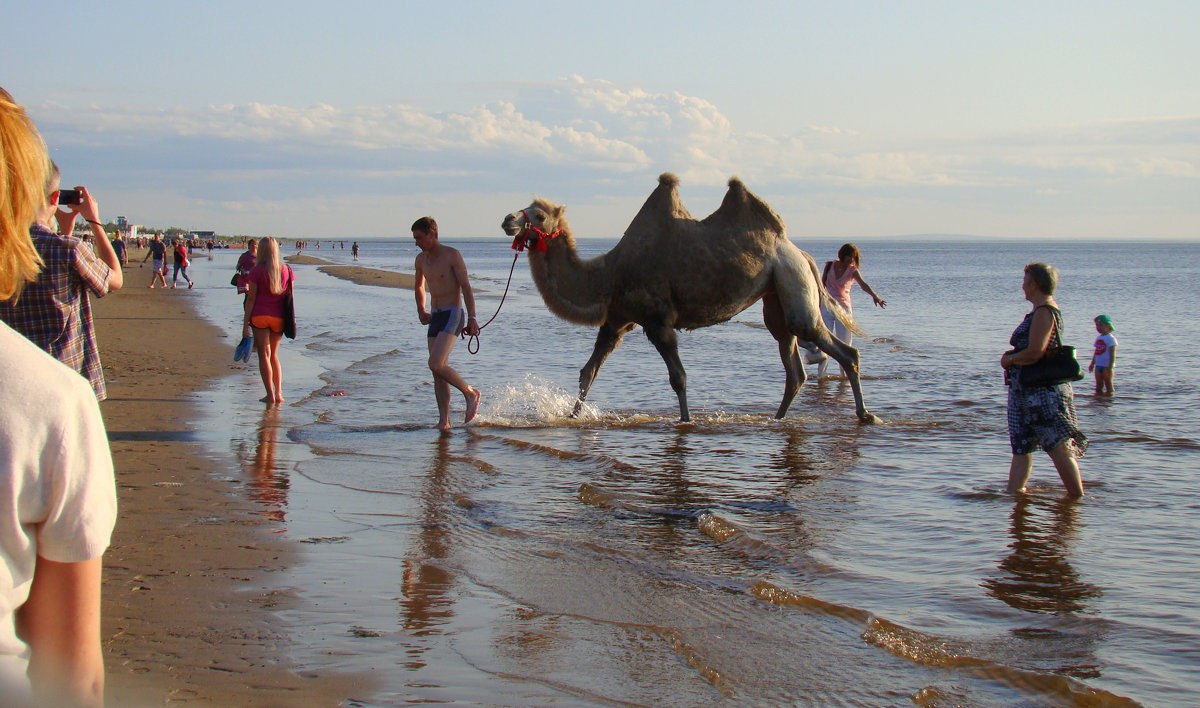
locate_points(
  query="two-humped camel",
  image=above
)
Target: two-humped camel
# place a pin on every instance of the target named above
(672, 272)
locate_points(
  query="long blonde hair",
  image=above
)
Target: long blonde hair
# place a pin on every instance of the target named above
(268, 258)
(24, 166)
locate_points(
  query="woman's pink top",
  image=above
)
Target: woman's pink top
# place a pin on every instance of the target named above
(266, 302)
(839, 288)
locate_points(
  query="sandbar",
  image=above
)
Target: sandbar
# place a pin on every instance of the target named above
(358, 274)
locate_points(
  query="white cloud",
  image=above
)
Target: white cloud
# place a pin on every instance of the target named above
(583, 139)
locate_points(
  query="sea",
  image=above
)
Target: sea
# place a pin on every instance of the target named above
(624, 558)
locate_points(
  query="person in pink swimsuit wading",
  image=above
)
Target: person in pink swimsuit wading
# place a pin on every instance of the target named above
(839, 276)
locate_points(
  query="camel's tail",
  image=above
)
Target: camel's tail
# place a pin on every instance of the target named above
(831, 304)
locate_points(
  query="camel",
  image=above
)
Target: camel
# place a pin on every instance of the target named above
(671, 272)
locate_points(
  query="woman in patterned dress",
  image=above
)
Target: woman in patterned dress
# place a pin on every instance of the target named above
(1040, 416)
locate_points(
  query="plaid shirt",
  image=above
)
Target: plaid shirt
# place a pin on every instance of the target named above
(54, 311)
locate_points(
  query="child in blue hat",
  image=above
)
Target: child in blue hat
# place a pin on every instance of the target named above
(1104, 359)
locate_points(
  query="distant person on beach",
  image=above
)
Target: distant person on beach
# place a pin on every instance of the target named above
(118, 244)
(57, 493)
(1040, 416)
(244, 265)
(1104, 356)
(181, 263)
(158, 251)
(353, 250)
(839, 277)
(55, 311)
(269, 283)
(441, 269)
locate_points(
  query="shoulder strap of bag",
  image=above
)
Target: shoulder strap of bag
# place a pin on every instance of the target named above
(1055, 336)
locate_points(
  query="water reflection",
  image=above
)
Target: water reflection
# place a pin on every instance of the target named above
(426, 601)
(1037, 575)
(268, 482)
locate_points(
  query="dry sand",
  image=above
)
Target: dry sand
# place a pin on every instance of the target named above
(188, 587)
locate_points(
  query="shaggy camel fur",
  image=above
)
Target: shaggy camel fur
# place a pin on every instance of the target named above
(671, 272)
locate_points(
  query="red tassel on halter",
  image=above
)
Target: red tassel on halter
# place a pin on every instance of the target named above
(538, 243)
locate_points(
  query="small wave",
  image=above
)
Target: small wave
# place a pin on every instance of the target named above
(695, 660)
(928, 650)
(603, 462)
(1166, 444)
(728, 533)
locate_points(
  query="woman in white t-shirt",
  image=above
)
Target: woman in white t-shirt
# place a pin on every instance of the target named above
(57, 495)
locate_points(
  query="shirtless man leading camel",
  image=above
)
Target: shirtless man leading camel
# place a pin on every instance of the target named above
(441, 269)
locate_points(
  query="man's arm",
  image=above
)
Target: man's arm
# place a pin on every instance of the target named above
(468, 295)
(419, 289)
(61, 623)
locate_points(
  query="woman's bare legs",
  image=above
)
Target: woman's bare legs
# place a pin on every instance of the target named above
(266, 344)
(1068, 469)
(1018, 473)
(1063, 457)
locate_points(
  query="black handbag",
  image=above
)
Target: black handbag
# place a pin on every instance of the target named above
(289, 315)
(1057, 366)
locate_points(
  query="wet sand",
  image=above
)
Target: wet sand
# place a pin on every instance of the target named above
(188, 581)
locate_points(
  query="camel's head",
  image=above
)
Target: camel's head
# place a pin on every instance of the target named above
(535, 225)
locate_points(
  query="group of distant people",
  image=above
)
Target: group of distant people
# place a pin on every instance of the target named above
(157, 253)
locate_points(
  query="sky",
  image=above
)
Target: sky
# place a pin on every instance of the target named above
(349, 120)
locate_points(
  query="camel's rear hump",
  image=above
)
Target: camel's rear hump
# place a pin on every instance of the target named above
(743, 208)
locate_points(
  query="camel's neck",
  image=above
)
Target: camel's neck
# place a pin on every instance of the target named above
(573, 289)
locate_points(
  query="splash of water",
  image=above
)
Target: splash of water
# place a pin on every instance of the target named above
(533, 401)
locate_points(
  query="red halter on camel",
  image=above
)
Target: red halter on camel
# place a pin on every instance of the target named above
(536, 242)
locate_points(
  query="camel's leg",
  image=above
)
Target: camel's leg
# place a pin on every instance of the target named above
(847, 356)
(788, 352)
(607, 340)
(667, 344)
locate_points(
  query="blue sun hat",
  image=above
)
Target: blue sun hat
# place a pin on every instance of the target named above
(242, 352)
(1105, 319)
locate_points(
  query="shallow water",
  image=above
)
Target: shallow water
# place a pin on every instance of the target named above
(626, 558)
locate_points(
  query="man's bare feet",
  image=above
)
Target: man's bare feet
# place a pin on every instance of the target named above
(444, 426)
(267, 399)
(473, 405)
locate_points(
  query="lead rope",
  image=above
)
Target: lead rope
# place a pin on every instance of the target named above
(473, 340)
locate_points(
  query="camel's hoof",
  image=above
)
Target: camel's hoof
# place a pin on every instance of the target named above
(870, 419)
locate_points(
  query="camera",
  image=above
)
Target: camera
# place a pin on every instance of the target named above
(69, 197)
